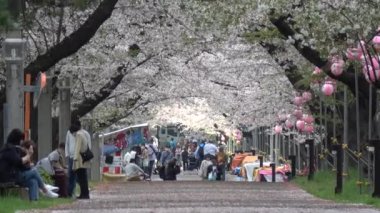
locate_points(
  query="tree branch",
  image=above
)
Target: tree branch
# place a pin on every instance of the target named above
(89, 104)
(313, 56)
(73, 42)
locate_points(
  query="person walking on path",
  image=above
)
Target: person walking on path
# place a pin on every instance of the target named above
(210, 150)
(185, 158)
(152, 154)
(69, 153)
(145, 158)
(79, 166)
(221, 160)
(173, 145)
(199, 153)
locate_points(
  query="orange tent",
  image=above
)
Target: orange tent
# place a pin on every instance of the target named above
(238, 159)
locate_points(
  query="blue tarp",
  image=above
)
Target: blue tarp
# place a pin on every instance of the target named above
(109, 149)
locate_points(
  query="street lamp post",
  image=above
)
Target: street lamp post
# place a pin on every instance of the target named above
(13, 51)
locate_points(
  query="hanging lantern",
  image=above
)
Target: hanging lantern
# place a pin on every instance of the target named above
(300, 124)
(308, 118)
(289, 124)
(337, 67)
(307, 96)
(328, 88)
(238, 135)
(309, 128)
(354, 54)
(362, 48)
(375, 63)
(282, 116)
(376, 43)
(278, 129)
(370, 74)
(298, 100)
(288, 116)
(298, 113)
(317, 71)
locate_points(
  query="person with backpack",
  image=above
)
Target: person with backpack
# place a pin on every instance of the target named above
(173, 145)
(172, 170)
(166, 157)
(199, 153)
(152, 155)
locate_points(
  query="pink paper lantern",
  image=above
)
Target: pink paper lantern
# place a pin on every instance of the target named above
(376, 40)
(375, 63)
(362, 47)
(328, 89)
(370, 74)
(309, 128)
(289, 124)
(307, 96)
(278, 129)
(238, 135)
(337, 67)
(297, 113)
(308, 118)
(300, 125)
(298, 101)
(288, 116)
(317, 71)
(354, 54)
(282, 117)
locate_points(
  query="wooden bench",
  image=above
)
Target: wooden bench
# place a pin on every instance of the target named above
(9, 188)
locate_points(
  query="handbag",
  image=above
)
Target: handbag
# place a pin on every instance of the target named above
(87, 155)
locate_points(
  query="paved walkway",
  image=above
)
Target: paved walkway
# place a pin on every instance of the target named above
(192, 195)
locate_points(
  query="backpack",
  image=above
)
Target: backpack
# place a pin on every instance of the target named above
(200, 151)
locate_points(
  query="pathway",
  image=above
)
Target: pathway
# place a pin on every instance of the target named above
(192, 195)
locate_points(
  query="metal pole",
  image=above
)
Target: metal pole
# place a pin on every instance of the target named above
(273, 165)
(299, 155)
(345, 130)
(358, 128)
(261, 160)
(334, 118)
(311, 159)
(370, 166)
(322, 162)
(293, 160)
(271, 148)
(339, 168)
(13, 52)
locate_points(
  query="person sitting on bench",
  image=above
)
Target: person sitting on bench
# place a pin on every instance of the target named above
(54, 165)
(13, 167)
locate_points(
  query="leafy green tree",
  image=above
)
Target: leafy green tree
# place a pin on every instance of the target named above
(4, 14)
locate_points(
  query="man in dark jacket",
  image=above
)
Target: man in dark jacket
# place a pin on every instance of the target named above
(172, 170)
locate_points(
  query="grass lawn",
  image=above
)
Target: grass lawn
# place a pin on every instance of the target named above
(323, 186)
(11, 204)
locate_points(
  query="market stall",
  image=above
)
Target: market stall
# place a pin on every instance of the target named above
(115, 144)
